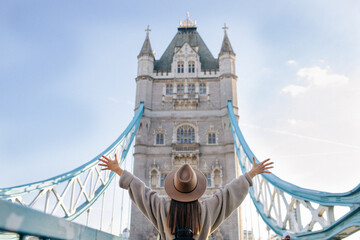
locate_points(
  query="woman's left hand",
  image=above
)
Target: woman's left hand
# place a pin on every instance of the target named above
(262, 167)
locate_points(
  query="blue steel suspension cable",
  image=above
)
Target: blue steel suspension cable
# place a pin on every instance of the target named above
(350, 199)
(18, 190)
(128, 135)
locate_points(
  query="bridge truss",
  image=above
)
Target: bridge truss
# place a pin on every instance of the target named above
(287, 207)
(305, 213)
(73, 194)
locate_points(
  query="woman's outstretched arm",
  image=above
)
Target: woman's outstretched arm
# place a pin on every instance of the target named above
(224, 202)
(147, 200)
(262, 167)
(110, 164)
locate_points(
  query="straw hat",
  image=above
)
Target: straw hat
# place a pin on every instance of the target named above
(185, 184)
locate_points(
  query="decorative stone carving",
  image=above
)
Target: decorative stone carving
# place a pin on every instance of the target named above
(154, 175)
(185, 153)
(217, 174)
(187, 22)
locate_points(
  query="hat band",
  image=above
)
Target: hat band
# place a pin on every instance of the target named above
(184, 191)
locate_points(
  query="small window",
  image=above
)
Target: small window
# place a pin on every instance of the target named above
(191, 88)
(202, 88)
(208, 178)
(159, 138)
(169, 89)
(162, 179)
(191, 67)
(180, 88)
(181, 67)
(212, 138)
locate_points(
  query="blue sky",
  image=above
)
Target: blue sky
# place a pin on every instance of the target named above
(67, 81)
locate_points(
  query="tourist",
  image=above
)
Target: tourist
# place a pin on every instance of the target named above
(184, 216)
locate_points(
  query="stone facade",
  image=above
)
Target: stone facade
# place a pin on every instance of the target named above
(185, 120)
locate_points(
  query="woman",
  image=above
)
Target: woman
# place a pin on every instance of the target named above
(184, 214)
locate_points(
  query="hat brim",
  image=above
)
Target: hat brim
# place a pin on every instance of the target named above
(185, 197)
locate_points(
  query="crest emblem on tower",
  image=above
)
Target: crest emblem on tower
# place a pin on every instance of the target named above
(187, 22)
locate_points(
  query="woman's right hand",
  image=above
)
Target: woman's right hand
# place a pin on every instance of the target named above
(110, 164)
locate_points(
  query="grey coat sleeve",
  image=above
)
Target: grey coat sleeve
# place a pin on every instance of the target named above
(226, 200)
(146, 199)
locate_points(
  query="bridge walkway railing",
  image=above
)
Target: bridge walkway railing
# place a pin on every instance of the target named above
(25, 222)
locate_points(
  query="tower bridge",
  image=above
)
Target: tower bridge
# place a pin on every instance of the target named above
(185, 112)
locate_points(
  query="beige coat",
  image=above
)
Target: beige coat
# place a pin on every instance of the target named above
(214, 210)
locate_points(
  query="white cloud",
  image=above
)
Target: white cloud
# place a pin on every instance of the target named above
(322, 77)
(315, 77)
(291, 62)
(292, 121)
(310, 138)
(294, 90)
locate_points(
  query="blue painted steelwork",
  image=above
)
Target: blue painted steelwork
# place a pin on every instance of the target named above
(25, 221)
(276, 187)
(47, 187)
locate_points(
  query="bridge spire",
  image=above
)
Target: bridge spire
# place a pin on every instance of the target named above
(147, 30)
(225, 28)
(146, 49)
(226, 45)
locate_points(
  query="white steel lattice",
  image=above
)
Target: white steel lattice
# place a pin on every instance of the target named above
(306, 213)
(73, 193)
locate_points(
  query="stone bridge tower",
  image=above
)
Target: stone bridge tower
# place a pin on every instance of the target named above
(186, 119)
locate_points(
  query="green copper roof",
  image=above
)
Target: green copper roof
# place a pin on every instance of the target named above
(192, 37)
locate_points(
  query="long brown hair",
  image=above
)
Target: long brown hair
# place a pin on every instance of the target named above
(184, 215)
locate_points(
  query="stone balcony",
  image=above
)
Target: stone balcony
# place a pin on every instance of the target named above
(185, 153)
(186, 100)
(185, 148)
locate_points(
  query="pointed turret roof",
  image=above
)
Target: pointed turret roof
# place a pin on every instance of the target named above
(226, 45)
(187, 33)
(146, 48)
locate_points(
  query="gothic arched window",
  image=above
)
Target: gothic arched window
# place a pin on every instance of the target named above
(160, 138)
(211, 138)
(180, 66)
(162, 179)
(191, 88)
(180, 88)
(208, 178)
(169, 89)
(185, 135)
(202, 88)
(191, 67)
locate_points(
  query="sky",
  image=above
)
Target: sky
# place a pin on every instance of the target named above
(67, 81)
